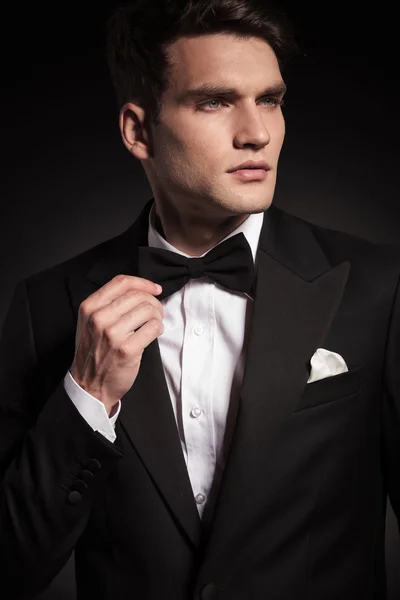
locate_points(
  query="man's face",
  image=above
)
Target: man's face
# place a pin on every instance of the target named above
(201, 138)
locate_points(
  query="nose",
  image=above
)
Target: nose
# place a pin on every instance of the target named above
(252, 130)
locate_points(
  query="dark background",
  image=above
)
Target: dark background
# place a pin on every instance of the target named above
(68, 182)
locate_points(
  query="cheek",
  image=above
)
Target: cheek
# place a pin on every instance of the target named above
(279, 124)
(278, 134)
(182, 143)
(177, 163)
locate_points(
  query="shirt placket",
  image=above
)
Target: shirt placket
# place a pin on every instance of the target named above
(197, 387)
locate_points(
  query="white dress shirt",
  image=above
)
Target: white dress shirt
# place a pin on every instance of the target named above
(203, 350)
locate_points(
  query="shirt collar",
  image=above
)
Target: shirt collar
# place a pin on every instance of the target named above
(251, 229)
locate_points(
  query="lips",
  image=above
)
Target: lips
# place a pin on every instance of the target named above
(249, 165)
(250, 174)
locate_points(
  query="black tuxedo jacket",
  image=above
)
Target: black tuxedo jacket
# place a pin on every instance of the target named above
(301, 509)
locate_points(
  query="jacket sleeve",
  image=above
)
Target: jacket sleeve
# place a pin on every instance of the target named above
(52, 464)
(391, 408)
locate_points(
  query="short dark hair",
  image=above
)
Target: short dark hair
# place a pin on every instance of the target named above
(139, 35)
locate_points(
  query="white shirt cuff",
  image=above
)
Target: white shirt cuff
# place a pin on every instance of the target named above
(92, 410)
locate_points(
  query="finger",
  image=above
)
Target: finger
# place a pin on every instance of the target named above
(109, 315)
(120, 311)
(130, 322)
(132, 299)
(136, 342)
(116, 287)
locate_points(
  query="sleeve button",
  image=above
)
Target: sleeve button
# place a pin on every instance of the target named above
(86, 475)
(74, 497)
(210, 592)
(79, 486)
(93, 465)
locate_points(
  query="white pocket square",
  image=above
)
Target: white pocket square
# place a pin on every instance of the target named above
(325, 363)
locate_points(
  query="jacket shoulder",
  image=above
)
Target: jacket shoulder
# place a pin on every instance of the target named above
(77, 264)
(339, 245)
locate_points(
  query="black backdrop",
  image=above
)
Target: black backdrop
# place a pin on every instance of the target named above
(68, 183)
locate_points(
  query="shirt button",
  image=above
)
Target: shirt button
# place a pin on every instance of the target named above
(200, 498)
(195, 413)
(199, 329)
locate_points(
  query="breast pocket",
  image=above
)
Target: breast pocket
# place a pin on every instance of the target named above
(331, 389)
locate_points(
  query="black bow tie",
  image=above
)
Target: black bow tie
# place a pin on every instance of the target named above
(230, 264)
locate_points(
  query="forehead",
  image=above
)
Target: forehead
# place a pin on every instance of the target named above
(197, 59)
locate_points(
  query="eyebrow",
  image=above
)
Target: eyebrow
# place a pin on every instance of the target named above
(208, 90)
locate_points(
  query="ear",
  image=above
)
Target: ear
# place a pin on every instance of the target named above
(133, 132)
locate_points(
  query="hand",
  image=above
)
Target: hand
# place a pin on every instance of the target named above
(115, 324)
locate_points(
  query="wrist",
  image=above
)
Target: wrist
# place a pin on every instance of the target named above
(111, 407)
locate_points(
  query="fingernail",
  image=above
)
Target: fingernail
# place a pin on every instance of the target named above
(159, 288)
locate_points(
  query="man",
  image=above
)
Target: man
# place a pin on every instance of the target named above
(236, 435)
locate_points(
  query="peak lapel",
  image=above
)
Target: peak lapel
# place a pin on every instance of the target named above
(296, 297)
(146, 412)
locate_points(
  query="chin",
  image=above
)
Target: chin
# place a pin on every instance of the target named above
(251, 206)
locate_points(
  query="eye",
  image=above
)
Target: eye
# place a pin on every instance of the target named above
(274, 100)
(208, 102)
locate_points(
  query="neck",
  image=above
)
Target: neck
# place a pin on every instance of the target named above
(194, 235)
